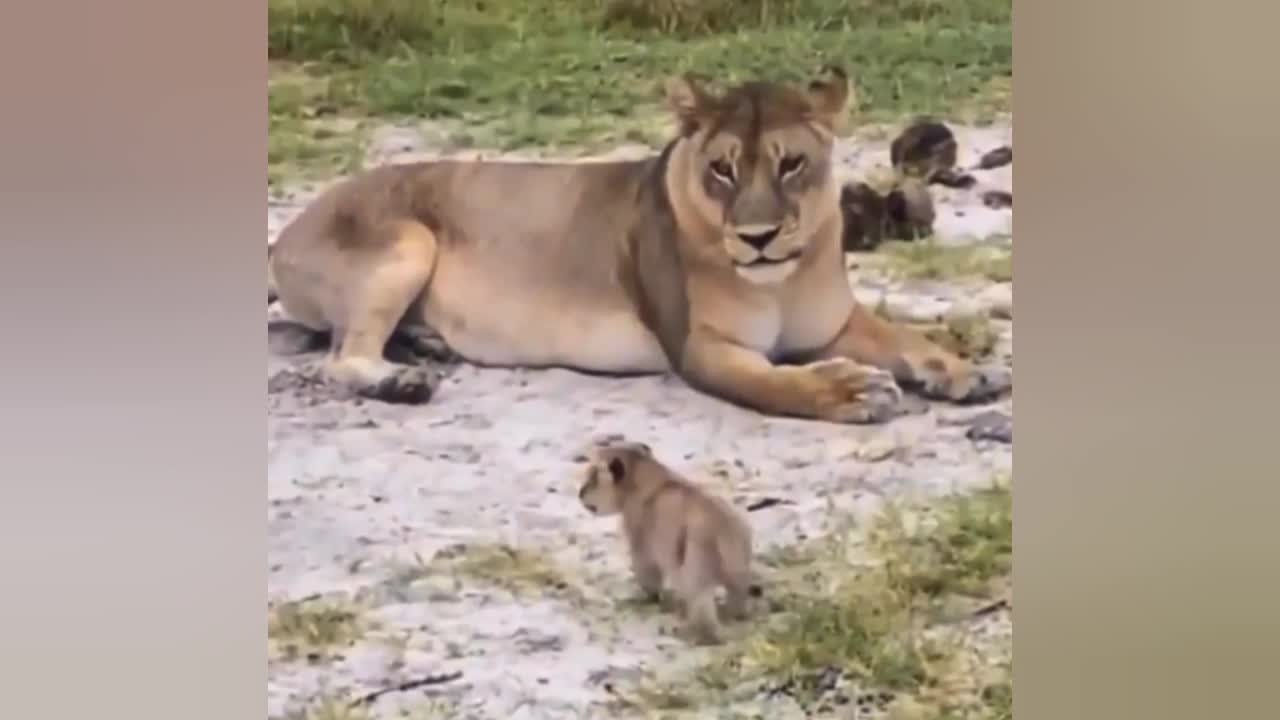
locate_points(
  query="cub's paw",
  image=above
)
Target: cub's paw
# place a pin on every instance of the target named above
(847, 392)
(407, 385)
(703, 634)
(959, 381)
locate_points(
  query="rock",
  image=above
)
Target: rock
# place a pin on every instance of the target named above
(997, 199)
(992, 159)
(990, 425)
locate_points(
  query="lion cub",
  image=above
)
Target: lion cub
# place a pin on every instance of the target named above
(683, 541)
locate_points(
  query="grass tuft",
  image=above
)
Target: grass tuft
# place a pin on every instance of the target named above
(521, 572)
(971, 336)
(927, 259)
(957, 548)
(314, 629)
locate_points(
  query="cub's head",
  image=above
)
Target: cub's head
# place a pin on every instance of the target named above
(611, 475)
(758, 166)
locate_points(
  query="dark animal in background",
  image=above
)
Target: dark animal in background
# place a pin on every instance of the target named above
(923, 154)
(864, 217)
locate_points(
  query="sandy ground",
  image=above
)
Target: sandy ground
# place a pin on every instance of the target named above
(358, 491)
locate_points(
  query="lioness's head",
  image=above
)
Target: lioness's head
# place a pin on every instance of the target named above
(759, 165)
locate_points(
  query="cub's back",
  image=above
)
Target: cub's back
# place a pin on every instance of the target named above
(697, 510)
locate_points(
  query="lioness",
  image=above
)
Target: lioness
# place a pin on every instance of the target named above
(719, 259)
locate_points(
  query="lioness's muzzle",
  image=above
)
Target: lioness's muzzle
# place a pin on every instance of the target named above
(763, 260)
(758, 237)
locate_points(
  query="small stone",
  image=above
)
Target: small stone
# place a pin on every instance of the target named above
(997, 199)
(991, 425)
(998, 157)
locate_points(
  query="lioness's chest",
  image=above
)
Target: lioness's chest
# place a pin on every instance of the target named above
(779, 322)
(813, 314)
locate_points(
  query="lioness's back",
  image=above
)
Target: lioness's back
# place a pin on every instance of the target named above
(480, 202)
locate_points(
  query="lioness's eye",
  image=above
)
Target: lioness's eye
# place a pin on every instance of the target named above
(790, 165)
(723, 170)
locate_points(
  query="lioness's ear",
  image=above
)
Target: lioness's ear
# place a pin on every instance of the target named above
(830, 93)
(688, 98)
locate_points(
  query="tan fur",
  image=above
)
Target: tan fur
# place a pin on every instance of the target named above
(683, 540)
(642, 266)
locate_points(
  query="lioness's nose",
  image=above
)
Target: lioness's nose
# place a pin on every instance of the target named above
(758, 236)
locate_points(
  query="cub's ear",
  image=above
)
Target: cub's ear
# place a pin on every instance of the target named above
(687, 96)
(618, 470)
(647, 450)
(830, 93)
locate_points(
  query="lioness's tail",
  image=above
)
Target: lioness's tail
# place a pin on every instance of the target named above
(271, 279)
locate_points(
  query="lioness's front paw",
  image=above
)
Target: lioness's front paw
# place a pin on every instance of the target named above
(962, 382)
(987, 382)
(852, 393)
(409, 385)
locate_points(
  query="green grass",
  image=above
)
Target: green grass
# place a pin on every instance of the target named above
(970, 336)
(968, 544)
(310, 149)
(927, 259)
(866, 604)
(587, 73)
(522, 572)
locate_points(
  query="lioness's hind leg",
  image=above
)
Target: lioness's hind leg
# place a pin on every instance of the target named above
(382, 289)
